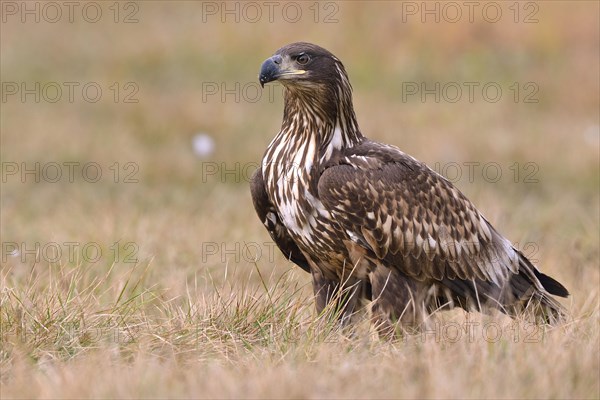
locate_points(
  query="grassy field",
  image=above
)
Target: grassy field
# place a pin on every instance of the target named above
(132, 267)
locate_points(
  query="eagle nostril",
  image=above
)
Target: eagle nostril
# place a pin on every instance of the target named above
(276, 59)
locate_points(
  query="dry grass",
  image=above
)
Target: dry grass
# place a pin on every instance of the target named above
(197, 315)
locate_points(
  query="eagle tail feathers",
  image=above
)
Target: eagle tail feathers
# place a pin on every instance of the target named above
(551, 285)
(537, 302)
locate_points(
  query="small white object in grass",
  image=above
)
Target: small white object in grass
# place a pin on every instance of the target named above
(591, 134)
(14, 253)
(203, 145)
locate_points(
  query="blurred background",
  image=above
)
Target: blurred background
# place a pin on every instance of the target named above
(134, 126)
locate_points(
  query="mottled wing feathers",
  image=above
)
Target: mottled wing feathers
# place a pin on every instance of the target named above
(270, 219)
(413, 218)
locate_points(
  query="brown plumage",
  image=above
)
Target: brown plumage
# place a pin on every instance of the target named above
(363, 215)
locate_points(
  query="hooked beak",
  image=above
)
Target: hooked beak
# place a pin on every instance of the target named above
(275, 68)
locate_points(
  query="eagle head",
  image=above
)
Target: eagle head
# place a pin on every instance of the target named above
(303, 65)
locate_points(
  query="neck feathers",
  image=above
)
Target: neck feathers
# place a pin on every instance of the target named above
(323, 113)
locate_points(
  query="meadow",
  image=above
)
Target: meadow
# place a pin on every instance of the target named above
(134, 267)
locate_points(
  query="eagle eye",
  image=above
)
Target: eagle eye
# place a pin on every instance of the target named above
(302, 58)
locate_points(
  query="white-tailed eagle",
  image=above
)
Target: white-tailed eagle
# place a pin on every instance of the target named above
(363, 215)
